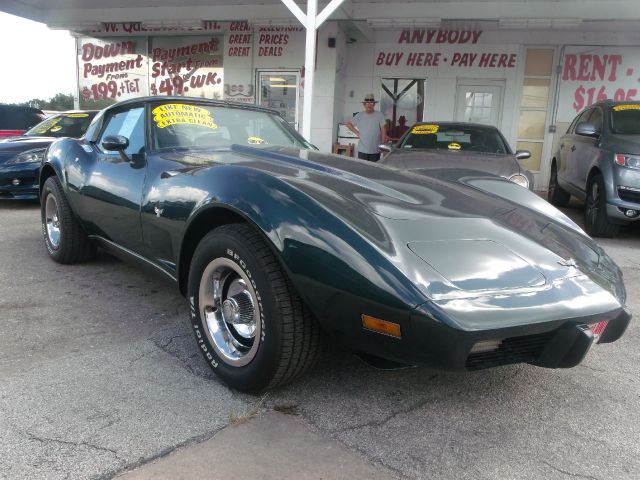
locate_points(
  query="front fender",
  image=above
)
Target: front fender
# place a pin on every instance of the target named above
(335, 258)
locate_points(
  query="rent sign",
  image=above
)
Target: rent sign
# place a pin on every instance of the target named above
(591, 74)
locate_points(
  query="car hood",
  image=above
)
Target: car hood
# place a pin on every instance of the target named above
(21, 144)
(622, 144)
(502, 165)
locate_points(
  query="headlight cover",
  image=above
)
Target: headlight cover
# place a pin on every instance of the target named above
(30, 156)
(520, 180)
(625, 160)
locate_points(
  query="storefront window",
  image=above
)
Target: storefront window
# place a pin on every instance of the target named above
(534, 104)
(535, 93)
(402, 103)
(279, 91)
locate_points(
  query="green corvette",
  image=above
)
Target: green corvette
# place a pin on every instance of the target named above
(278, 247)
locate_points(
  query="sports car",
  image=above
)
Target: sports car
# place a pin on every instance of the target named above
(278, 247)
(436, 147)
(20, 156)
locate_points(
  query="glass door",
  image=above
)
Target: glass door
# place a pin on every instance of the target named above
(479, 103)
(279, 90)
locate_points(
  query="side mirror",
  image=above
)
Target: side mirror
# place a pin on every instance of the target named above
(587, 129)
(523, 154)
(116, 143)
(384, 148)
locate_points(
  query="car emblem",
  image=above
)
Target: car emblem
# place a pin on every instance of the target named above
(158, 211)
(570, 262)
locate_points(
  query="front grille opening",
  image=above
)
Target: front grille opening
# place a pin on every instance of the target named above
(512, 350)
(628, 195)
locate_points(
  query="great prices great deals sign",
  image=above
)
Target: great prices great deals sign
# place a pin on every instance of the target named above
(591, 74)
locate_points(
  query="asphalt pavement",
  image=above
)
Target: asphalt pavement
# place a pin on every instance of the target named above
(100, 378)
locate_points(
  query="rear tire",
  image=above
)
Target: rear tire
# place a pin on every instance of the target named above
(64, 238)
(596, 221)
(556, 194)
(250, 324)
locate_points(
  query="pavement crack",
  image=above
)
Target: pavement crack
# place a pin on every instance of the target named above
(46, 440)
(388, 418)
(571, 474)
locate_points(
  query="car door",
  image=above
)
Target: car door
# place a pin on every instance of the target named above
(569, 159)
(111, 187)
(587, 149)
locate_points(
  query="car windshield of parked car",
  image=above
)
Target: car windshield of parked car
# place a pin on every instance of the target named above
(625, 119)
(62, 125)
(184, 125)
(455, 137)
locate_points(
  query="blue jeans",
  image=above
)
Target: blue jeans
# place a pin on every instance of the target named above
(372, 157)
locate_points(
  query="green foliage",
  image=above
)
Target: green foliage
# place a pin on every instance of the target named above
(59, 101)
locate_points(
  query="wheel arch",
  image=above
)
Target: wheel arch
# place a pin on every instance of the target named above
(200, 225)
(46, 171)
(595, 170)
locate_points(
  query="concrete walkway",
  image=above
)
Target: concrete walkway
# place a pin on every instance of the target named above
(271, 446)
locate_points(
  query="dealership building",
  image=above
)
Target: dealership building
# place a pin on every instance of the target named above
(526, 67)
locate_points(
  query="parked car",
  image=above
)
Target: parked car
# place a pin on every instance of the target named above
(14, 119)
(439, 146)
(598, 160)
(20, 156)
(274, 243)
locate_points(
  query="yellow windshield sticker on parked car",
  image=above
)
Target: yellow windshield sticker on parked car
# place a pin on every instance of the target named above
(76, 115)
(255, 141)
(56, 128)
(182, 114)
(47, 125)
(454, 146)
(619, 108)
(425, 129)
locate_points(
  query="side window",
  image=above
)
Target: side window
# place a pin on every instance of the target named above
(130, 124)
(596, 118)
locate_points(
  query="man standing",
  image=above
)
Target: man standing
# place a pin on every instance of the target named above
(370, 128)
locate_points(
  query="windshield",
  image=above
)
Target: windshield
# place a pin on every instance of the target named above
(455, 137)
(203, 126)
(625, 119)
(63, 125)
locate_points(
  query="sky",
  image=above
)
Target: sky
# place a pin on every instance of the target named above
(36, 62)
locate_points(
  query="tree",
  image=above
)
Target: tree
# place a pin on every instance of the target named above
(59, 101)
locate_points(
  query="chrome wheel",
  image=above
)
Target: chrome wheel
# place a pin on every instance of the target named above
(52, 220)
(231, 311)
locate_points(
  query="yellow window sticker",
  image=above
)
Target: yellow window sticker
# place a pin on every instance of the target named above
(76, 115)
(454, 146)
(182, 114)
(255, 141)
(619, 108)
(56, 128)
(425, 129)
(47, 125)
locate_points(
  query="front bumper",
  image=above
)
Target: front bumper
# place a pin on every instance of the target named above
(559, 344)
(27, 176)
(625, 195)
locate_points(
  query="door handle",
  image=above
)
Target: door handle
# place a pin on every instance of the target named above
(573, 148)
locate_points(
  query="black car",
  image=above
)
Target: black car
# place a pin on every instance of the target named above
(20, 156)
(438, 147)
(275, 245)
(15, 119)
(598, 160)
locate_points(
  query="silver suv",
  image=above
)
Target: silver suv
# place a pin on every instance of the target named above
(598, 160)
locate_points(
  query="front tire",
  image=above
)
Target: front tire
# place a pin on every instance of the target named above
(250, 324)
(596, 221)
(64, 238)
(556, 194)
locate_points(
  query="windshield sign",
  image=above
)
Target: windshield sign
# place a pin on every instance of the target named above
(625, 119)
(62, 125)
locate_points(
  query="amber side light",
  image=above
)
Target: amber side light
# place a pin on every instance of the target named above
(381, 326)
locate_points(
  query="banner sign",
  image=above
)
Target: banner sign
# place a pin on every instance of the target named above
(591, 74)
(110, 70)
(189, 65)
